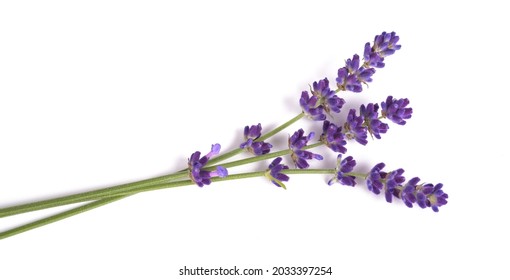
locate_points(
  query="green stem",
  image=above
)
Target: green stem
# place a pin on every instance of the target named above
(86, 196)
(58, 217)
(104, 201)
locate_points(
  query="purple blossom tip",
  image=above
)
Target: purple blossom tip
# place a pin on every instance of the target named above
(221, 171)
(384, 45)
(431, 196)
(215, 149)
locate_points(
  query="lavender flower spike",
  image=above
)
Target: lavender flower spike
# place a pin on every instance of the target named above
(274, 174)
(426, 195)
(296, 143)
(255, 147)
(344, 166)
(196, 163)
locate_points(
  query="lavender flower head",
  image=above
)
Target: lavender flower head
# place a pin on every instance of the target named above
(197, 163)
(255, 147)
(344, 166)
(425, 195)
(396, 110)
(333, 137)
(296, 143)
(274, 174)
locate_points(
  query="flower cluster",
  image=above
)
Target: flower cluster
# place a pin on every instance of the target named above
(396, 110)
(274, 172)
(344, 166)
(323, 101)
(384, 45)
(297, 142)
(333, 137)
(251, 134)
(196, 164)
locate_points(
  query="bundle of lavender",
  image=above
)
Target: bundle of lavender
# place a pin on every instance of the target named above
(319, 104)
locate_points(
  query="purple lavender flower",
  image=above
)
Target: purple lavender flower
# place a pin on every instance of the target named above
(375, 178)
(432, 196)
(354, 128)
(311, 107)
(274, 174)
(407, 194)
(296, 143)
(346, 81)
(374, 126)
(344, 166)
(255, 147)
(196, 163)
(395, 110)
(327, 97)
(371, 58)
(392, 181)
(333, 137)
(352, 76)
(384, 45)
(352, 65)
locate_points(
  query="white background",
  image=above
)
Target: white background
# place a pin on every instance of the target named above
(96, 93)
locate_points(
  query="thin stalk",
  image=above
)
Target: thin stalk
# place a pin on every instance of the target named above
(58, 217)
(104, 201)
(86, 196)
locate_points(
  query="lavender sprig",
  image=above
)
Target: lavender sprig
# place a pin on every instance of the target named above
(321, 102)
